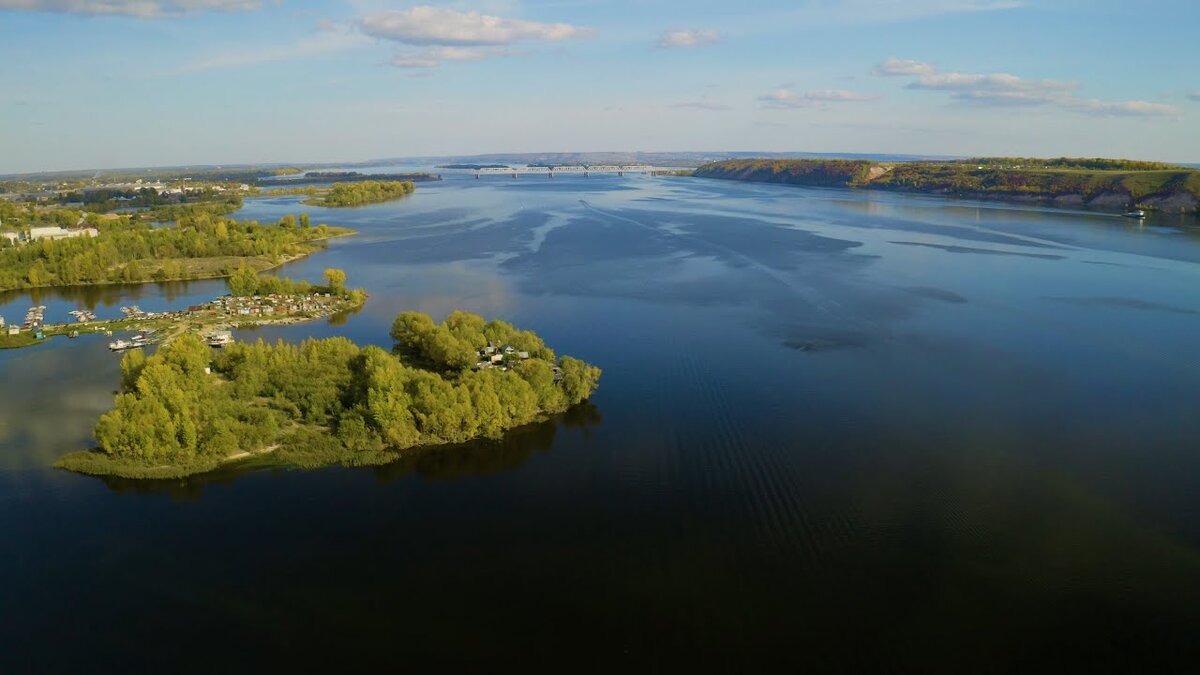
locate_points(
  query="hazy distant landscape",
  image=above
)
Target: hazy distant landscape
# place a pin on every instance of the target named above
(815, 336)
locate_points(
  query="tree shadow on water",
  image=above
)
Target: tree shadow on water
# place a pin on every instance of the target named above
(477, 458)
(485, 457)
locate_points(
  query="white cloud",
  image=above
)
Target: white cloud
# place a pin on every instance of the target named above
(1195, 95)
(432, 57)
(447, 27)
(1004, 89)
(996, 88)
(785, 98)
(894, 67)
(1122, 108)
(838, 95)
(700, 37)
(702, 104)
(145, 9)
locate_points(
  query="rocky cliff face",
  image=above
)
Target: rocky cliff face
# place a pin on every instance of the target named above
(1179, 201)
(813, 173)
(1110, 200)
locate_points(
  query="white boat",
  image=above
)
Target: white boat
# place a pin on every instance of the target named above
(1134, 213)
(122, 345)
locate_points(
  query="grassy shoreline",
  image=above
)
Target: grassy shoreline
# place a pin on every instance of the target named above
(293, 456)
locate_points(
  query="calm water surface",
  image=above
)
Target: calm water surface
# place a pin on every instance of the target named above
(836, 431)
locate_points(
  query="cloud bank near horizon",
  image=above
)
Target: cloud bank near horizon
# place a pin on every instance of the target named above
(1004, 89)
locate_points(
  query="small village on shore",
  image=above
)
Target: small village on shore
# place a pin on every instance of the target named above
(213, 320)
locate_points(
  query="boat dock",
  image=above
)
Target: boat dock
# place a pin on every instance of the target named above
(213, 320)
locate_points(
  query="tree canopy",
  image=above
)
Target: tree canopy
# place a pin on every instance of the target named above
(200, 245)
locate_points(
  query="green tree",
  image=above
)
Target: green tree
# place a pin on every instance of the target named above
(578, 379)
(335, 279)
(243, 282)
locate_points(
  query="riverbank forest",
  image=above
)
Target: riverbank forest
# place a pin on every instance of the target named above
(201, 245)
(1107, 184)
(188, 409)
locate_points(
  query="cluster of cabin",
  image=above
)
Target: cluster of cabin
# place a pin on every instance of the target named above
(498, 356)
(271, 305)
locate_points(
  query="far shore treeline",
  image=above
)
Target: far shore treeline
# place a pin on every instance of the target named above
(188, 410)
(1105, 184)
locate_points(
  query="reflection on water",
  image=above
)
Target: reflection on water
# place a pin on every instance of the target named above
(108, 296)
(486, 457)
(477, 458)
(836, 431)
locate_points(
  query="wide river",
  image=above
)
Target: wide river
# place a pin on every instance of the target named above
(836, 431)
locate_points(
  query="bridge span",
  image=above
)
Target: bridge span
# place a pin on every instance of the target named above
(549, 171)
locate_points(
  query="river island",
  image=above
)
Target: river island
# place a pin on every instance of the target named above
(342, 195)
(190, 409)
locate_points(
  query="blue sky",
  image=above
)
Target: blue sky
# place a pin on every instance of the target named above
(113, 83)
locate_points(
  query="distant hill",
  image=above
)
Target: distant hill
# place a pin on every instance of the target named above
(667, 159)
(1104, 184)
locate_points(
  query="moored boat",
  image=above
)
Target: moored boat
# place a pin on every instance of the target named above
(122, 345)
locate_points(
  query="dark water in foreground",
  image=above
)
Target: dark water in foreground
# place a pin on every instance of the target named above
(836, 432)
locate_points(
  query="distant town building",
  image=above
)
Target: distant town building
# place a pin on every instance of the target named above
(36, 233)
